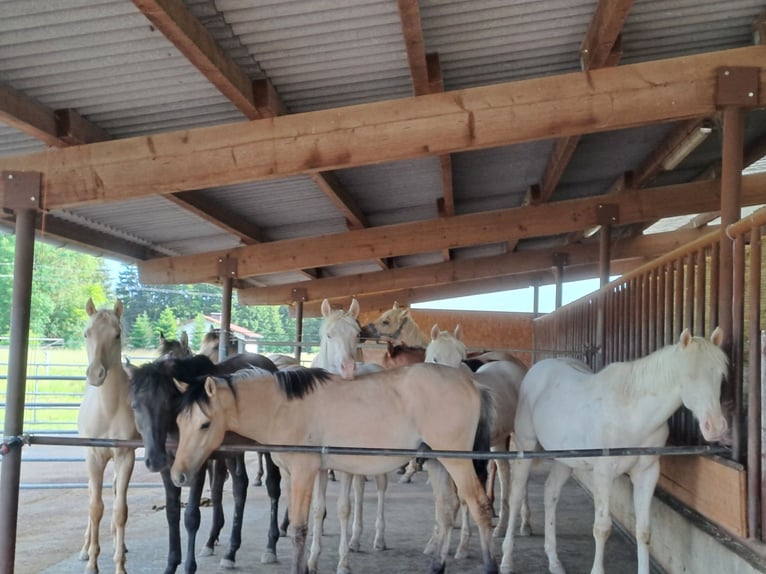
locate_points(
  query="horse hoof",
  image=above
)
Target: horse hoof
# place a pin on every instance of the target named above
(429, 549)
(506, 569)
(525, 531)
(557, 568)
(405, 480)
(268, 557)
(354, 546)
(206, 551)
(227, 564)
(258, 482)
(500, 532)
(83, 555)
(379, 545)
(343, 570)
(91, 570)
(437, 567)
(461, 553)
(283, 533)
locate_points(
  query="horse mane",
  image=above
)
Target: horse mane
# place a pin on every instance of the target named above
(298, 383)
(160, 374)
(658, 371)
(396, 350)
(196, 393)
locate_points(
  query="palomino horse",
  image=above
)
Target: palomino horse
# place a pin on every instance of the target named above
(154, 401)
(502, 380)
(211, 344)
(422, 405)
(105, 413)
(339, 334)
(401, 355)
(396, 325)
(562, 407)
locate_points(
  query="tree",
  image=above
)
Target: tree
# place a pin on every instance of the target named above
(199, 331)
(142, 334)
(166, 324)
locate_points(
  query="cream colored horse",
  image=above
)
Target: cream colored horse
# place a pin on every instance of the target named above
(105, 412)
(502, 379)
(396, 325)
(563, 406)
(337, 354)
(405, 408)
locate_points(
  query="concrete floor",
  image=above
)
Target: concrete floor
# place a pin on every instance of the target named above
(51, 526)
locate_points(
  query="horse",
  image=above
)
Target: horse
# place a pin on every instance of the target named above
(211, 344)
(421, 405)
(284, 361)
(627, 404)
(339, 334)
(175, 348)
(395, 325)
(154, 398)
(502, 380)
(105, 413)
(400, 355)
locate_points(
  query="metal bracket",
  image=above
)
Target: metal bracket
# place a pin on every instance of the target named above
(607, 213)
(299, 294)
(21, 190)
(560, 259)
(227, 267)
(737, 86)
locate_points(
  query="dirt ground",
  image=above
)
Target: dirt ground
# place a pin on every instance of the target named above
(52, 521)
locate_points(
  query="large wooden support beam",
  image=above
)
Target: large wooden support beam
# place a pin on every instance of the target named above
(447, 233)
(509, 264)
(433, 124)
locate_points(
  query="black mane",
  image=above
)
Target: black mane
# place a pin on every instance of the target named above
(300, 382)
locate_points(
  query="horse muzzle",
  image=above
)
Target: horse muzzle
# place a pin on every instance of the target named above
(95, 375)
(713, 427)
(180, 478)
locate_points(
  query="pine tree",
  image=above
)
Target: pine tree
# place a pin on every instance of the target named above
(167, 324)
(142, 334)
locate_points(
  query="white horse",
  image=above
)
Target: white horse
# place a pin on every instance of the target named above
(562, 406)
(105, 412)
(339, 335)
(502, 379)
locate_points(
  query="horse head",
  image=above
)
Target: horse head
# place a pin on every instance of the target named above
(211, 344)
(395, 325)
(170, 348)
(339, 334)
(103, 341)
(446, 348)
(704, 366)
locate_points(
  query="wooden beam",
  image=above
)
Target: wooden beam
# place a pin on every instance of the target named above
(487, 116)
(509, 264)
(342, 200)
(191, 38)
(409, 14)
(597, 48)
(443, 233)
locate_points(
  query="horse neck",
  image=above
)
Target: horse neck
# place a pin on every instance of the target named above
(411, 335)
(114, 392)
(653, 382)
(261, 399)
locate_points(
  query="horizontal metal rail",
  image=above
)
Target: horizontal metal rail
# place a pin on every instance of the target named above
(342, 450)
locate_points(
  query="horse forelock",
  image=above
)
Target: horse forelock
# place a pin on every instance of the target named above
(196, 394)
(299, 383)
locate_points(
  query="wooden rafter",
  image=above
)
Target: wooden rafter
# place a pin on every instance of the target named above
(508, 264)
(461, 230)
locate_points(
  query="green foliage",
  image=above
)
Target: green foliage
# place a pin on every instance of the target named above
(63, 280)
(199, 332)
(167, 324)
(142, 333)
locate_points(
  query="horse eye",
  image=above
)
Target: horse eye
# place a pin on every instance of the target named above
(205, 426)
(386, 322)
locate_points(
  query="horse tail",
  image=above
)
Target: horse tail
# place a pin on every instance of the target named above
(483, 436)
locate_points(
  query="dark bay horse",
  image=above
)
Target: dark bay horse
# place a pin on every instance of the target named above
(154, 400)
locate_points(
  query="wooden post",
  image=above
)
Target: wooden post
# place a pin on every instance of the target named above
(299, 296)
(227, 271)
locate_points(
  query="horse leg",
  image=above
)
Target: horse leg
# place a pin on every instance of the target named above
(644, 479)
(465, 533)
(217, 475)
(344, 507)
(503, 469)
(318, 508)
(409, 472)
(192, 518)
(379, 542)
(559, 474)
(520, 471)
(301, 484)
(123, 469)
(491, 473)
(173, 518)
(446, 504)
(95, 463)
(259, 475)
(273, 479)
(602, 523)
(356, 531)
(472, 492)
(238, 473)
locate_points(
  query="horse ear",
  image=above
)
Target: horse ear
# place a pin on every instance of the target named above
(717, 337)
(185, 339)
(396, 305)
(458, 332)
(181, 386)
(435, 332)
(326, 308)
(90, 308)
(686, 338)
(118, 308)
(353, 310)
(210, 387)
(162, 337)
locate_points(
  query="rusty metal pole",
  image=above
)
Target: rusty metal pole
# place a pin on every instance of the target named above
(604, 256)
(22, 195)
(227, 271)
(560, 260)
(298, 329)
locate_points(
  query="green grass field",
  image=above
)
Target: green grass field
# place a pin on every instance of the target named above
(48, 365)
